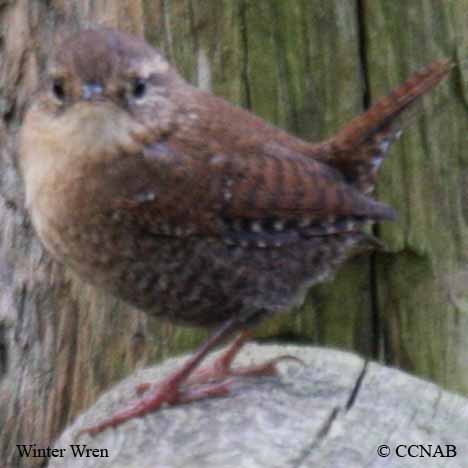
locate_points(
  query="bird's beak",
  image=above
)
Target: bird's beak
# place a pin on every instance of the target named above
(92, 92)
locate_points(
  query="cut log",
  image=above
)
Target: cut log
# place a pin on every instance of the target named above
(336, 411)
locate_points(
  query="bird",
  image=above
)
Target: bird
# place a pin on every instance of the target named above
(189, 207)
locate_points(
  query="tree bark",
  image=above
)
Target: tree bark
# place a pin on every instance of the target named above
(307, 66)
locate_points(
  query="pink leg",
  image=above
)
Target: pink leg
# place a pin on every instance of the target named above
(187, 384)
(221, 367)
(168, 392)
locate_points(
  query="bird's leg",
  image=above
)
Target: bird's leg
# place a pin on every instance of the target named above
(215, 380)
(188, 384)
(220, 370)
(170, 391)
(221, 367)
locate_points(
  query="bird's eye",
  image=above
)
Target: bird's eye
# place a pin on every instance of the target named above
(58, 89)
(139, 88)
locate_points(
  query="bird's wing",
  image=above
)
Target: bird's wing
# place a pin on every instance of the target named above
(267, 196)
(236, 178)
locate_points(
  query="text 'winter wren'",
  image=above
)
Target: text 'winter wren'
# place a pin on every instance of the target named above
(187, 206)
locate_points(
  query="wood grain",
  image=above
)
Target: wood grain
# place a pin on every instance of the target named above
(308, 68)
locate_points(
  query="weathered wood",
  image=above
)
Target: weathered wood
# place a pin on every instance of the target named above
(422, 285)
(303, 65)
(335, 412)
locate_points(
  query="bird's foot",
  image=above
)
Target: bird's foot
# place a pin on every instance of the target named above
(166, 393)
(186, 385)
(221, 368)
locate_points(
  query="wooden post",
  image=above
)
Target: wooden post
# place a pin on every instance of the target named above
(307, 66)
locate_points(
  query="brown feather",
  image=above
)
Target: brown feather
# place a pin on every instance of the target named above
(360, 147)
(182, 199)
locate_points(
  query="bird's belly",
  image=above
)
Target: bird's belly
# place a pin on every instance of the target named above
(199, 281)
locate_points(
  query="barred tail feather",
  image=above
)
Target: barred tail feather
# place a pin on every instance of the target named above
(360, 147)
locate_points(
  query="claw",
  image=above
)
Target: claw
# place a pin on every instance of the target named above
(188, 384)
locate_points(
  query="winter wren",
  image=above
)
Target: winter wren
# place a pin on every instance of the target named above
(187, 206)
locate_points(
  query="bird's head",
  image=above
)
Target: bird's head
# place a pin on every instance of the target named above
(106, 66)
(104, 93)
